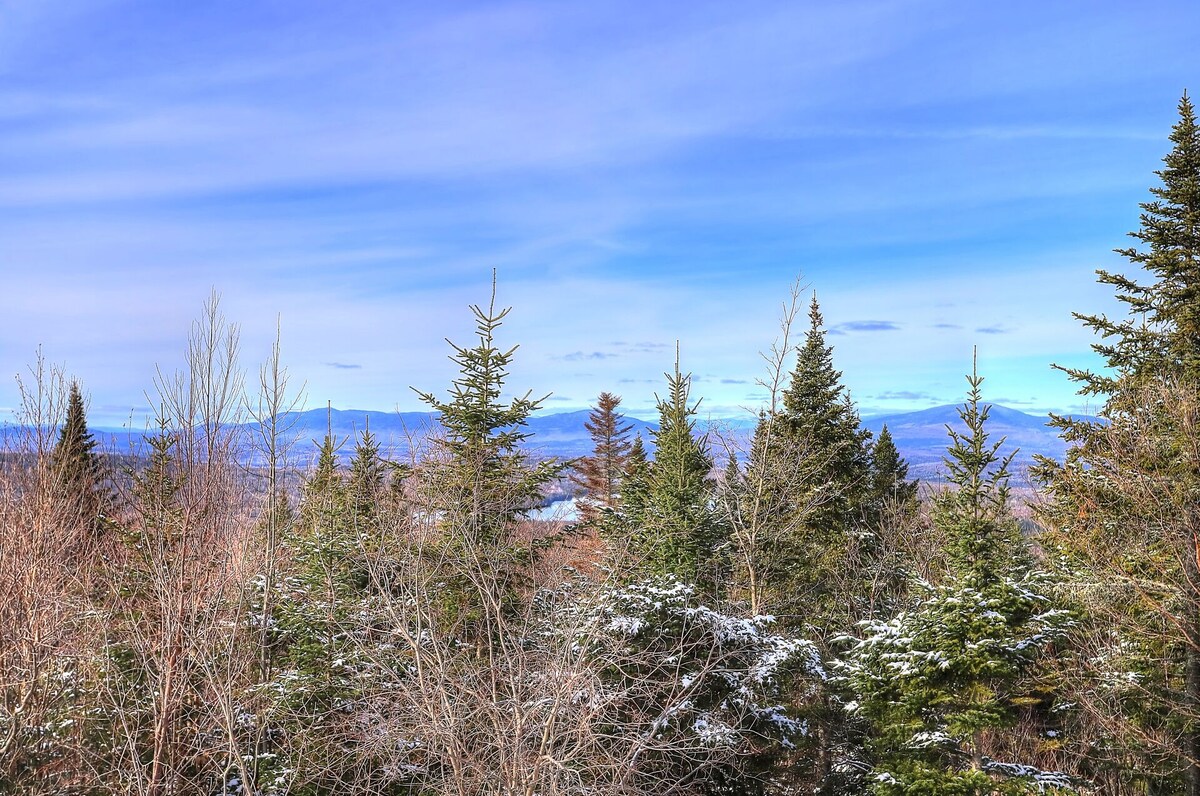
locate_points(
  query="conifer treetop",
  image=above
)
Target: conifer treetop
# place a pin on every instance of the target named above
(473, 416)
(1162, 334)
(984, 536)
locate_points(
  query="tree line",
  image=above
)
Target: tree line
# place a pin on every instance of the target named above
(791, 614)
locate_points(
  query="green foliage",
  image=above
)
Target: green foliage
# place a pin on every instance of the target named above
(941, 684)
(76, 466)
(480, 485)
(890, 490)
(985, 542)
(621, 524)
(318, 629)
(1123, 506)
(368, 477)
(681, 533)
(484, 482)
(815, 462)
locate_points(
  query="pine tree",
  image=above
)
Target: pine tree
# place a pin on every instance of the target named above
(818, 434)
(1123, 505)
(627, 521)
(77, 467)
(325, 530)
(682, 534)
(890, 514)
(484, 479)
(941, 686)
(818, 410)
(599, 475)
(366, 484)
(889, 475)
(985, 542)
(322, 622)
(480, 485)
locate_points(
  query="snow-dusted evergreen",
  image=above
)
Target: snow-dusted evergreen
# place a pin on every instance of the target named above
(942, 685)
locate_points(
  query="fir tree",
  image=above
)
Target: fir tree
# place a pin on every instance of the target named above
(626, 523)
(682, 534)
(1124, 508)
(77, 467)
(599, 475)
(818, 410)
(325, 520)
(941, 686)
(321, 626)
(817, 434)
(484, 481)
(985, 542)
(366, 483)
(480, 485)
(889, 475)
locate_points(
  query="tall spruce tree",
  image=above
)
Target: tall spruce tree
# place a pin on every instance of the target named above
(819, 429)
(368, 473)
(1124, 505)
(624, 528)
(599, 475)
(479, 482)
(77, 467)
(489, 480)
(889, 482)
(942, 686)
(682, 533)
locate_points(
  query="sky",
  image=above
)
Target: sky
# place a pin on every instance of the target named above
(944, 175)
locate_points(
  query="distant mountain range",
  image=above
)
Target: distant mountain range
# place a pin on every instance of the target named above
(920, 436)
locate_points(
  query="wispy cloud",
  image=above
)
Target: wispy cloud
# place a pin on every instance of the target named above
(904, 395)
(583, 356)
(343, 366)
(864, 326)
(643, 347)
(997, 329)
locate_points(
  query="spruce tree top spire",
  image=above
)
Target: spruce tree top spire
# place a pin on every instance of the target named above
(814, 395)
(75, 447)
(474, 417)
(484, 465)
(983, 535)
(1168, 339)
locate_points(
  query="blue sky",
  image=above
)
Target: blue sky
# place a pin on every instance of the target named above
(943, 174)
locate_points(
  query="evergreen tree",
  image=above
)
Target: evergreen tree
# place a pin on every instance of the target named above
(366, 484)
(816, 435)
(599, 475)
(77, 467)
(890, 515)
(1124, 508)
(484, 481)
(682, 534)
(481, 485)
(941, 686)
(322, 627)
(819, 412)
(323, 505)
(627, 521)
(984, 539)
(889, 476)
